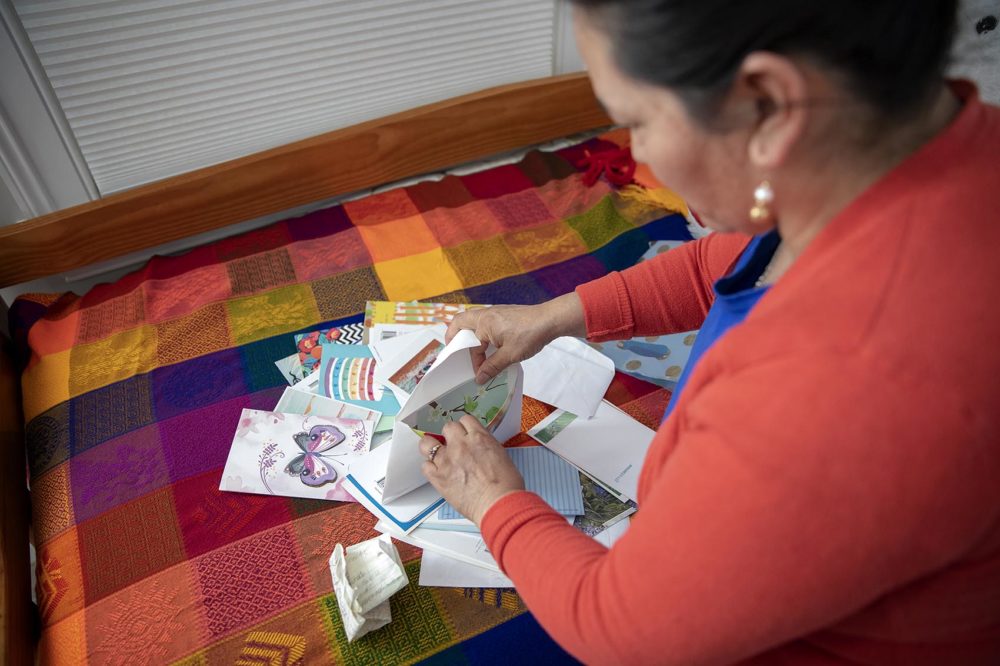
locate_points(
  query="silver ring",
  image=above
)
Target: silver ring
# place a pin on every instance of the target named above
(433, 452)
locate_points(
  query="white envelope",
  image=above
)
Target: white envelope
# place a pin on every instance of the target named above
(450, 378)
(610, 447)
(569, 374)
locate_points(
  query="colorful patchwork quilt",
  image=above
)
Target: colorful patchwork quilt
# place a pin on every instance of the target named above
(133, 391)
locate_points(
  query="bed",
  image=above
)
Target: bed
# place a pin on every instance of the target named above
(129, 394)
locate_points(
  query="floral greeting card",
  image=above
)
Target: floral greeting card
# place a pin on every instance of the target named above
(294, 455)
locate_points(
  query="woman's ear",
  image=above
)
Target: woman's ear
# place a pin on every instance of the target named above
(777, 91)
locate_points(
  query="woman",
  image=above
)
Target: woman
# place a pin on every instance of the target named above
(825, 487)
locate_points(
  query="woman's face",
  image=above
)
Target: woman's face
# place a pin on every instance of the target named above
(709, 169)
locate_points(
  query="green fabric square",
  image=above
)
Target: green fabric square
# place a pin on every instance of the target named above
(482, 261)
(600, 224)
(282, 310)
(418, 628)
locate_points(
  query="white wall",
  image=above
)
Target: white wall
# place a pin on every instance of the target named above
(10, 210)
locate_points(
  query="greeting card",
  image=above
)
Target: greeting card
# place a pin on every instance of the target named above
(294, 455)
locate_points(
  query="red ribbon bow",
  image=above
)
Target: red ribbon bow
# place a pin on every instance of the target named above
(617, 166)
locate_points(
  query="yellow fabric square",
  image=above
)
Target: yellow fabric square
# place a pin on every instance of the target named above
(120, 356)
(398, 238)
(45, 383)
(417, 276)
(278, 311)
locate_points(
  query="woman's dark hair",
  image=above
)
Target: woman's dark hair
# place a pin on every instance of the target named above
(891, 53)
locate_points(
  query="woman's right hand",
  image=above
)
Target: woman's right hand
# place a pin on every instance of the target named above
(517, 331)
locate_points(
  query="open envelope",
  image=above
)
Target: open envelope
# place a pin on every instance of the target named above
(447, 392)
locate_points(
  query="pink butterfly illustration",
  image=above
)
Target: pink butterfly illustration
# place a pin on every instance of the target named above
(310, 466)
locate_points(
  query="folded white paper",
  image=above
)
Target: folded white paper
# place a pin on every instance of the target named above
(569, 374)
(462, 546)
(610, 447)
(364, 576)
(446, 392)
(437, 570)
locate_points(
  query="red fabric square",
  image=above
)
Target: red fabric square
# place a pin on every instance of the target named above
(185, 294)
(163, 268)
(211, 518)
(140, 538)
(449, 192)
(496, 182)
(519, 210)
(378, 208)
(259, 240)
(329, 255)
(473, 221)
(250, 579)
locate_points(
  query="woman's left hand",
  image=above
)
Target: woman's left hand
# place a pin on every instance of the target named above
(471, 470)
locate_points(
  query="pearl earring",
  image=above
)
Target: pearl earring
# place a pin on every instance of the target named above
(763, 197)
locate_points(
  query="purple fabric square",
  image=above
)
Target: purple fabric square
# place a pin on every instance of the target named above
(117, 471)
(199, 440)
(198, 382)
(519, 289)
(563, 278)
(319, 223)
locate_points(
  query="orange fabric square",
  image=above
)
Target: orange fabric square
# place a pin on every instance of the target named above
(65, 643)
(379, 208)
(45, 383)
(544, 245)
(345, 523)
(60, 578)
(473, 221)
(157, 620)
(54, 334)
(398, 238)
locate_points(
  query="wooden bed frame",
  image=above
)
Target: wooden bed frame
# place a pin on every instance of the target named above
(415, 142)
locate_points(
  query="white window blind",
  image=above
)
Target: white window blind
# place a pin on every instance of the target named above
(154, 88)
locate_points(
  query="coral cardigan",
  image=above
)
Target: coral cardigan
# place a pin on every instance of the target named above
(827, 488)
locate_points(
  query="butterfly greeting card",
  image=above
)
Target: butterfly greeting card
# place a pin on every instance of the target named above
(294, 455)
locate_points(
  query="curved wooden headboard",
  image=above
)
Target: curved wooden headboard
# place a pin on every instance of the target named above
(414, 142)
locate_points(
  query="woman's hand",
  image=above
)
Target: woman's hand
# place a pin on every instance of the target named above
(517, 331)
(472, 470)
